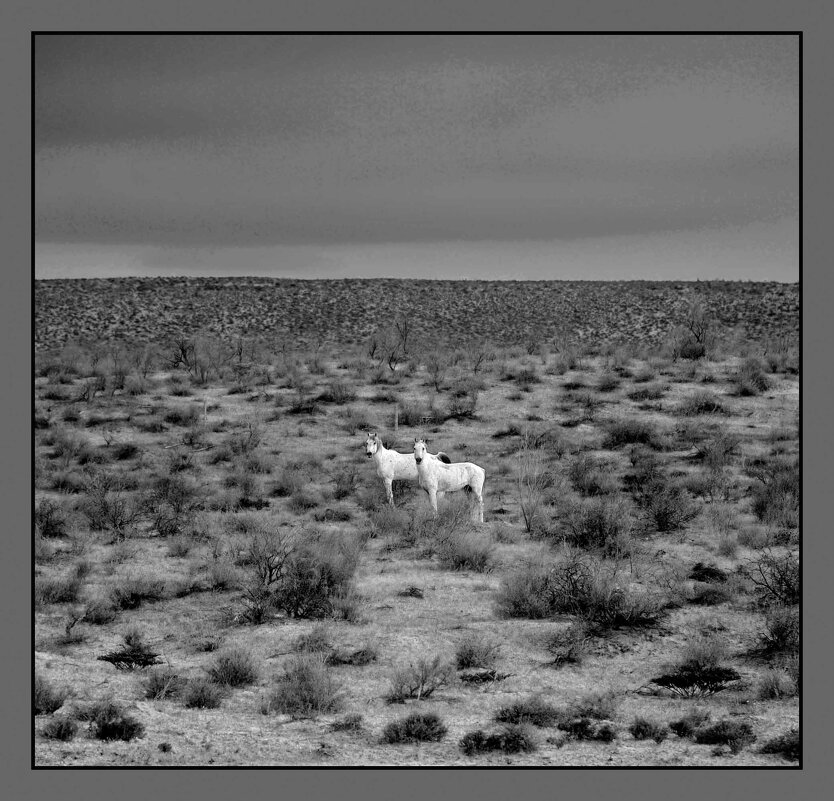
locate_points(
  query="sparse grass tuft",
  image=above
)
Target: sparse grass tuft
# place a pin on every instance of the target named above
(201, 693)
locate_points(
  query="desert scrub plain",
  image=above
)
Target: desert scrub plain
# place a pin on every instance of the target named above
(219, 581)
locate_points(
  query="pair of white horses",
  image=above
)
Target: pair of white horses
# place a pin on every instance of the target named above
(435, 473)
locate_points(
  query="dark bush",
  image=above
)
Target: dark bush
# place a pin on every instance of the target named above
(134, 653)
(644, 729)
(598, 523)
(63, 590)
(734, 733)
(418, 727)
(511, 739)
(51, 519)
(667, 506)
(350, 722)
(776, 578)
(108, 721)
(568, 646)
(783, 630)
(687, 725)
(632, 432)
(787, 745)
(776, 493)
(584, 728)
(475, 651)
(533, 710)
(136, 590)
(60, 728)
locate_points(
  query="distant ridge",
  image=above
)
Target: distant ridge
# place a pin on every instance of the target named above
(349, 310)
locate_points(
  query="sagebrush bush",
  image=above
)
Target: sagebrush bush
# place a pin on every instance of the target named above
(667, 506)
(201, 693)
(109, 721)
(734, 733)
(750, 378)
(689, 723)
(783, 630)
(511, 739)
(475, 651)
(787, 745)
(775, 495)
(60, 728)
(350, 722)
(100, 612)
(163, 683)
(46, 698)
(776, 578)
(534, 710)
(419, 680)
(305, 690)
(51, 519)
(135, 590)
(60, 590)
(467, 550)
(632, 432)
(234, 668)
(643, 729)
(774, 685)
(591, 476)
(598, 523)
(701, 402)
(418, 727)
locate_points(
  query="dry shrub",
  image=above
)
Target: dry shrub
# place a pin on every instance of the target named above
(60, 728)
(419, 681)
(734, 733)
(511, 739)
(533, 710)
(787, 745)
(46, 699)
(425, 727)
(305, 690)
(234, 668)
(201, 693)
(474, 651)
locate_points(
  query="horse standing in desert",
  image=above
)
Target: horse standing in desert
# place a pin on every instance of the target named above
(391, 465)
(437, 477)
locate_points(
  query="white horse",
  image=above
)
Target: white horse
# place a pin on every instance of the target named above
(437, 477)
(391, 465)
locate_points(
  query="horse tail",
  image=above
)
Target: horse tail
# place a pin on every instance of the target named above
(443, 457)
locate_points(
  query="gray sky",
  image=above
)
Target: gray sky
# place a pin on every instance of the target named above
(418, 156)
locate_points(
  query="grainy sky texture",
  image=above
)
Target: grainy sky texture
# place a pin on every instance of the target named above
(601, 157)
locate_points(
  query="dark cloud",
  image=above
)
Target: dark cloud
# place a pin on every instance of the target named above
(234, 140)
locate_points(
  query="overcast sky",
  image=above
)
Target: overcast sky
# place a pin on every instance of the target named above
(418, 156)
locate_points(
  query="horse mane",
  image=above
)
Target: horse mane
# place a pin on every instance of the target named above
(443, 457)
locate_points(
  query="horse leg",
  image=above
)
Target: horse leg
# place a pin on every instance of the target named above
(433, 499)
(389, 491)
